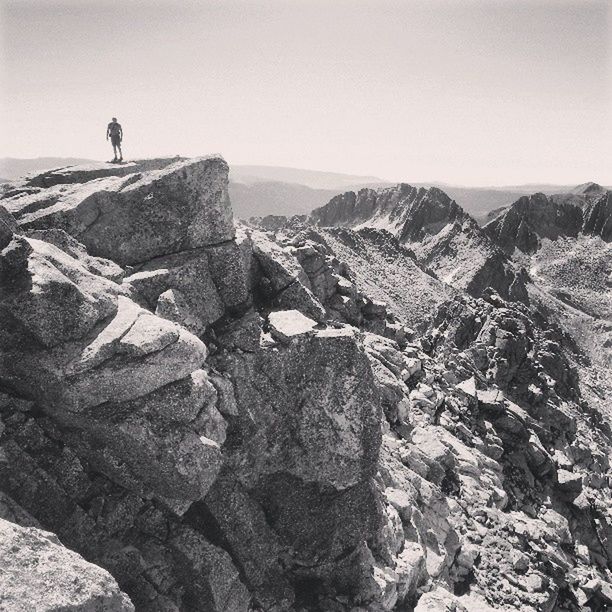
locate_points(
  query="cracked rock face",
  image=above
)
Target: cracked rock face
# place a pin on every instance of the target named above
(281, 417)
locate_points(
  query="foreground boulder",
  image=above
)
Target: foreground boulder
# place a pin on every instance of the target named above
(310, 404)
(72, 343)
(38, 573)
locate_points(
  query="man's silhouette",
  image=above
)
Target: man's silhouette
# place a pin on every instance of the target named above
(116, 135)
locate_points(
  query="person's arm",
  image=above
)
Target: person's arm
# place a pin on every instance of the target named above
(121, 132)
(107, 131)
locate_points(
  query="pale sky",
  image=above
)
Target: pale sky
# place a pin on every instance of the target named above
(487, 92)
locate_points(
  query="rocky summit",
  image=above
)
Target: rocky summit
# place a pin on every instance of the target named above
(378, 407)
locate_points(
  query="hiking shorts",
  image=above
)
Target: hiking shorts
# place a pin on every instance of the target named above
(115, 140)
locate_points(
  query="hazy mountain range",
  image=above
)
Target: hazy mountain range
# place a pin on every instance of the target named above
(264, 190)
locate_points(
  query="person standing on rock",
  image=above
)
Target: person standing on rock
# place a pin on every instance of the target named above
(115, 132)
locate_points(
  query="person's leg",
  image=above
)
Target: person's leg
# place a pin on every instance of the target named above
(114, 151)
(120, 153)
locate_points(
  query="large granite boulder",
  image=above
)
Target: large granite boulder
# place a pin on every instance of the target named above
(195, 288)
(48, 296)
(312, 407)
(134, 218)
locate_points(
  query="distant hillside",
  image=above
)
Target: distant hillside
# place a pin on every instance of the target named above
(12, 168)
(315, 179)
(275, 198)
(269, 190)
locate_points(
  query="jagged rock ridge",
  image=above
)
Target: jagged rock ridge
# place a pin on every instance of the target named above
(587, 210)
(233, 423)
(443, 237)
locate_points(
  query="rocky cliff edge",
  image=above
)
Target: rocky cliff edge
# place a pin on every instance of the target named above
(224, 420)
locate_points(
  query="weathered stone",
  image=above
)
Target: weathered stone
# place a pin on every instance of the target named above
(83, 173)
(38, 573)
(195, 298)
(147, 455)
(128, 358)
(243, 333)
(334, 436)
(569, 483)
(72, 247)
(172, 305)
(411, 571)
(7, 227)
(133, 219)
(297, 296)
(49, 295)
(250, 539)
(214, 580)
(12, 512)
(230, 271)
(278, 264)
(439, 600)
(285, 324)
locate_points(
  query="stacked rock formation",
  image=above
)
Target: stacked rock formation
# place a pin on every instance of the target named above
(223, 418)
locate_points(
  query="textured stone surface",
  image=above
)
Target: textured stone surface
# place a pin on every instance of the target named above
(255, 424)
(286, 324)
(50, 296)
(7, 227)
(140, 216)
(334, 434)
(38, 573)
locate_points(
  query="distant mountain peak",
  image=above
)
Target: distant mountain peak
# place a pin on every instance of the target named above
(587, 209)
(442, 235)
(589, 189)
(406, 211)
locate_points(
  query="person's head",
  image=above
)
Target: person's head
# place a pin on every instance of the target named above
(115, 119)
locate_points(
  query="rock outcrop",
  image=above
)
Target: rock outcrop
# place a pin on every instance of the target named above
(279, 417)
(132, 218)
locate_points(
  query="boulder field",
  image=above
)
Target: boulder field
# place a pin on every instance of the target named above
(200, 415)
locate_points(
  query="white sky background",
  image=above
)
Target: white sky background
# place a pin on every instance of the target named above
(469, 92)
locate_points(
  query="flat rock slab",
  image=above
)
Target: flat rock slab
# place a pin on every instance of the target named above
(87, 172)
(285, 324)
